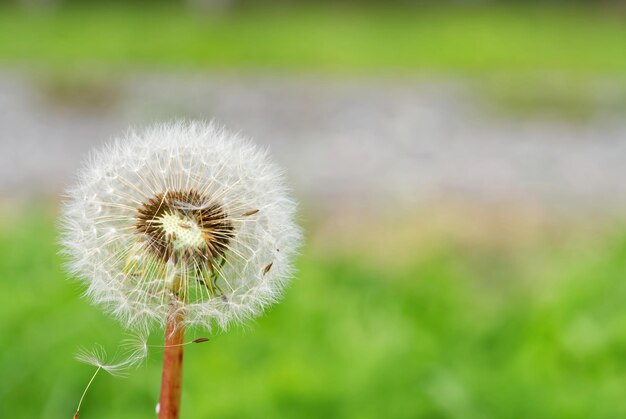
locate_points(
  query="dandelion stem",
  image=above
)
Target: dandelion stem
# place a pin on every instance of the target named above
(80, 402)
(171, 380)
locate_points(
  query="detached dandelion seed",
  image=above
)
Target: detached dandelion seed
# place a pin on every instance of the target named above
(179, 226)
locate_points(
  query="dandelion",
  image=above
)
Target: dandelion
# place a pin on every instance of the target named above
(180, 225)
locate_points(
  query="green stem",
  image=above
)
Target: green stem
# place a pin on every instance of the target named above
(80, 402)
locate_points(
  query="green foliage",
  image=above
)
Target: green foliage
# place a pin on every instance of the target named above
(462, 332)
(466, 40)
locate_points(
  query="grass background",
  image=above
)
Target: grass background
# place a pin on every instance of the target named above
(468, 40)
(435, 327)
(456, 329)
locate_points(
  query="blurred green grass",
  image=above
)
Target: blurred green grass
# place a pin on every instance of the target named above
(459, 331)
(466, 40)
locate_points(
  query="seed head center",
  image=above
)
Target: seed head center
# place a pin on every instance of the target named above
(184, 225)
(182, 231)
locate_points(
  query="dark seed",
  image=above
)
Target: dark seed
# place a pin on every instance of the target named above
(249, 213)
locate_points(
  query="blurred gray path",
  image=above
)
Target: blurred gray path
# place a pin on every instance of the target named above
(344, 142)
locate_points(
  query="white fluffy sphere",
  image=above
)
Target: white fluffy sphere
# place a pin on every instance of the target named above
(182, 217)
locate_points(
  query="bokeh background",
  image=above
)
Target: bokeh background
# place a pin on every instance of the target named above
(461, 172)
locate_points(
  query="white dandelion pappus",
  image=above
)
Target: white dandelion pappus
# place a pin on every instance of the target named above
(185, 217)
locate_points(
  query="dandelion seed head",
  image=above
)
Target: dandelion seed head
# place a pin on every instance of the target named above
(183, 216)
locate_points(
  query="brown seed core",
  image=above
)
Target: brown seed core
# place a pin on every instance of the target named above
(192, 214)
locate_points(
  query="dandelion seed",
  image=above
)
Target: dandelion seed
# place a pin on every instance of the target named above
(98, 358)
(249, 213)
